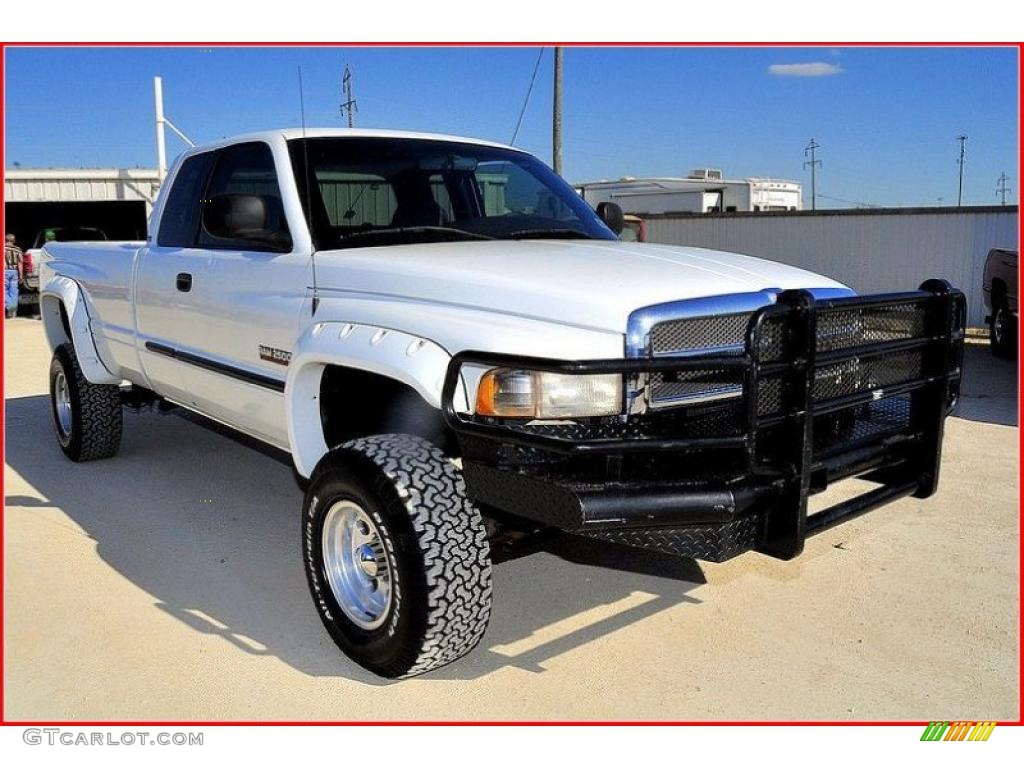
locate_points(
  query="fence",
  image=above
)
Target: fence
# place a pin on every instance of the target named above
(871, 250)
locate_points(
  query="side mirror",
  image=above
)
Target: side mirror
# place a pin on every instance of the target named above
(611, 215)
(243, 217)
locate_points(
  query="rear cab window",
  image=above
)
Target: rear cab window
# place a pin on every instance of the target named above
(179, 220)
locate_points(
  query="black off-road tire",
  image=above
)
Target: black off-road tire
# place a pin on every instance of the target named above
(1003, 332)
(435, 544)
(96, 417)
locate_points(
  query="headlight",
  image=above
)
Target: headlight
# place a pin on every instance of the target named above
(542, 395)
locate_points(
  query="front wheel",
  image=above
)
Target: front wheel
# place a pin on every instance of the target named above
(396, 556)
(87, 417)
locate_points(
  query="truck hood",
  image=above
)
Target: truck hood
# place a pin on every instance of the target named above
(585, 283)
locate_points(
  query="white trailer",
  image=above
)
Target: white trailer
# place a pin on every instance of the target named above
(703, 191)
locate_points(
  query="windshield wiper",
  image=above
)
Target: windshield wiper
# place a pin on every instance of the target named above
(549, 234)
(403, 235)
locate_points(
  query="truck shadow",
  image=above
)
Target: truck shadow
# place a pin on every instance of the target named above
(210, 529)
(988, 391)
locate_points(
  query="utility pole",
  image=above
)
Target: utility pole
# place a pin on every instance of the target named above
(813, 163)
(960, 162)
(556, 123)
(348, 106)
(1002, 189)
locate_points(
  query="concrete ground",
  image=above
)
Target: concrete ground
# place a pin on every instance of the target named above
(166, 584)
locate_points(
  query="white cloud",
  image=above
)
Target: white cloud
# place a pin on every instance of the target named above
(807, 69)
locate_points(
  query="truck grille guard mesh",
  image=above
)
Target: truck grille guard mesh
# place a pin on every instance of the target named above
(820, 379)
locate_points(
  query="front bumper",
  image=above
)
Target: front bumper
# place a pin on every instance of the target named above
(828, 389)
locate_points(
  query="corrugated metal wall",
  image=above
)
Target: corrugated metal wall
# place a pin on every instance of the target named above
(77, 189)
(869, 251)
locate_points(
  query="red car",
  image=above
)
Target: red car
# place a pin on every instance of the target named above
(634, 229)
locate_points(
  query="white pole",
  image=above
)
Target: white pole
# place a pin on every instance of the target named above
(161, 147)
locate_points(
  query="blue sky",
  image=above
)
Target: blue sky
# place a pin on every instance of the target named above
(886, 118)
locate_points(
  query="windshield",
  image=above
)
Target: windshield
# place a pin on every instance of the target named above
(384, 191)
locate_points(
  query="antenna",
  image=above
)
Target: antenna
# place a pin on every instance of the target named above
(556, 115)
(309, 199)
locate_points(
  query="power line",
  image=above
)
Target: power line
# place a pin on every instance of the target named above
(526, 100)
(1001, 189)
(810, 150)
(857, 203)
(960, 162)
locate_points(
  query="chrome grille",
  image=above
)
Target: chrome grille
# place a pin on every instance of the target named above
(726, 333)
(708, 334)
(699, 334)
(671, 388)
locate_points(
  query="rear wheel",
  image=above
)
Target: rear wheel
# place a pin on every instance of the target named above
(87, 417)
(1003, 332)
(396, 556)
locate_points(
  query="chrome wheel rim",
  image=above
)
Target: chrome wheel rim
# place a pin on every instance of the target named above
(62, 404)
(356, 564)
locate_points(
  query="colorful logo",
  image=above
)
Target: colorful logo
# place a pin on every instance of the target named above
(958, 731)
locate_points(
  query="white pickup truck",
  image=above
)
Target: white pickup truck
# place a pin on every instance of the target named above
(450, 342)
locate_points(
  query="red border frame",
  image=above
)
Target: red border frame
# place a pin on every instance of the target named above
(4, 45)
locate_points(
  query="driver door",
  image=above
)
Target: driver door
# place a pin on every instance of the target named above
(253, 295)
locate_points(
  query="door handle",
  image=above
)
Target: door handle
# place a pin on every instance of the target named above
(184, 282)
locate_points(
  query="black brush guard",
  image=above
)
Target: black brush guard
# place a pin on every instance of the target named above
(831, 389)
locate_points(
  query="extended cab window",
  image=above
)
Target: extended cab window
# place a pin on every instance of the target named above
(355, 200)
(180, 220)
(247, 171)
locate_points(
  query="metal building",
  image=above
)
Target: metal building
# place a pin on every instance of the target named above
(871, 250)
(116, 200)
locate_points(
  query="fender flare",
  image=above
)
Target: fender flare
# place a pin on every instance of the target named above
(412, 360)
(63, 291)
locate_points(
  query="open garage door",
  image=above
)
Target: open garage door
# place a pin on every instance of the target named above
(119, 219)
